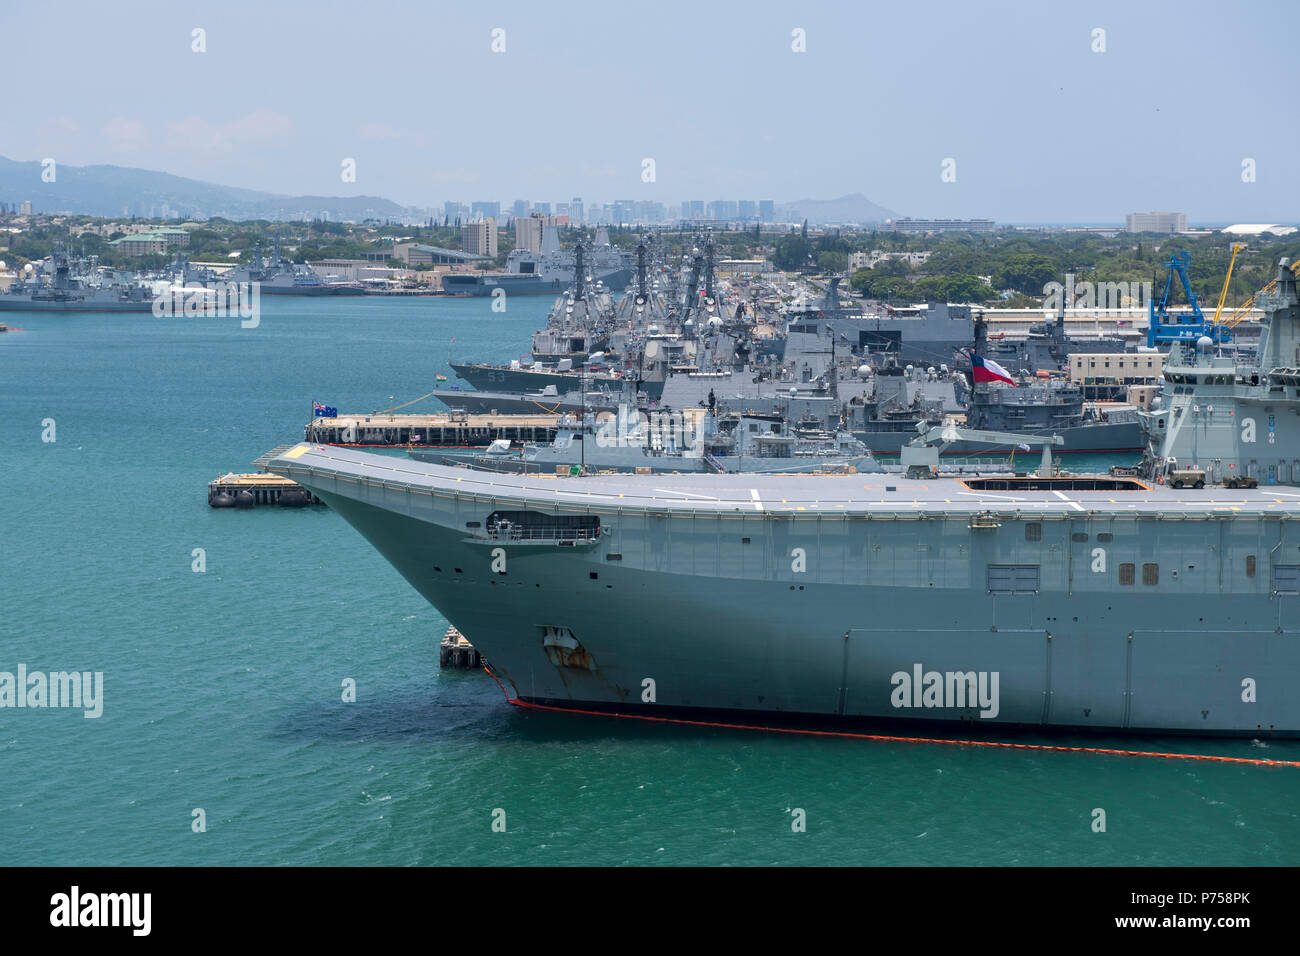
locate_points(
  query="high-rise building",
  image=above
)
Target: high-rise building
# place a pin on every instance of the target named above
(747, 210)
(647, 211)
(454, 210)
(722, 209)
(479, 237)
(693, 209)
(1156, 222)
(528, 232)
(767, 210)
(543, 207)
(575, 210)
(521, 208)
(486, 210)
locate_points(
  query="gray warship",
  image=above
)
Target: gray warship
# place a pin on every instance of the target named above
(631, 442)
(73, 285)
(1046, 346)
(1104, 603)
(277, 274)
(1229, 416)
(1040, 406)
(642, 305)
(551, 271)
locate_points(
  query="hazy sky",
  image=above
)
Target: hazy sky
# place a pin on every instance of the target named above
(1041, 128)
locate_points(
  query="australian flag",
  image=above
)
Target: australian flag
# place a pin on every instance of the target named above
(324, 411)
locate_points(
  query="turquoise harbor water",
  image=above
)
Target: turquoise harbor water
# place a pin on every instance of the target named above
(222, 689)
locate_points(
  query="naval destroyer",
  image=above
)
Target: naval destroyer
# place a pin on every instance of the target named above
(277, 274)
(1096, 602)
(64, 288)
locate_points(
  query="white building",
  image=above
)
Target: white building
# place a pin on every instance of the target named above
(868, 260)
(1156, 222)
(1258, 229)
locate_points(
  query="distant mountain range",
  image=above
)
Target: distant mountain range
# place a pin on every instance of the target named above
(854, 208)
(125, 191)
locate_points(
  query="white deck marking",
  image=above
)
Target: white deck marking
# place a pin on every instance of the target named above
(758, 502)
(982, 495)
(685, 494)
(1073, 504)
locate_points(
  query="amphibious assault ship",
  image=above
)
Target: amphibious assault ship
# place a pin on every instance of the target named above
(1099, 602)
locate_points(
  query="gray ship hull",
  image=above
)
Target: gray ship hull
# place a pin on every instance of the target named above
(470, 284)
(310, 290)
(1097, 439)
(512, 403)
(14, 303)
(496, 378)
(857, 597)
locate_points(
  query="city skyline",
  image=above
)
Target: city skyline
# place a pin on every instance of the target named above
(1011, 112)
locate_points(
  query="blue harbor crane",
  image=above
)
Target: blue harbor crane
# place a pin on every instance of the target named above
(1181, 327)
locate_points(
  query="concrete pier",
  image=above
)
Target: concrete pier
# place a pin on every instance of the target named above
(455, 429)
(252, 490)
(458, 652)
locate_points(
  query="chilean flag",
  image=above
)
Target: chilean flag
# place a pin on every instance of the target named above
(987, 370)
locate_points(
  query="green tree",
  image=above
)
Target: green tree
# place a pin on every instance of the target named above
(791, 253)
(1026, 273)
(832, 261)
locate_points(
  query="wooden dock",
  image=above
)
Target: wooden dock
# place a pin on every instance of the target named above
(458, 652)
(454, 429)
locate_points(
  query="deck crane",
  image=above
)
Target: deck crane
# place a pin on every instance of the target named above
(1240, 314)
(1183, 327)
(1223, 293)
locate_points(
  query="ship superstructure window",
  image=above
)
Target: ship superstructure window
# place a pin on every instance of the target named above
(1013, 578)
(1150, 574)
(536, 526)
(1250, 565)
(1034, 531)
(1126, 576)
(1105, 537)
(1286, 578)
(1078, 536)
